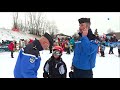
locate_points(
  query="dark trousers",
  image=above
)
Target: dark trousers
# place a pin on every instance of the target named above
(102, 53)
(72, 48)
(119, 52)
(11, 54)
(68, 50)
(79, 73)
(111, 50)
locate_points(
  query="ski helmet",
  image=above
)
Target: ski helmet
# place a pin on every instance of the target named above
(58, 48)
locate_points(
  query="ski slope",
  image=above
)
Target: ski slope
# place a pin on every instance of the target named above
(7, 34)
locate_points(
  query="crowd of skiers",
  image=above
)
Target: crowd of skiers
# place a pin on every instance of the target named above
(103, 41)
(67, 43)
(112, 43)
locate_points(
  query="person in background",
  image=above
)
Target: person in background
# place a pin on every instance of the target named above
(118, 48)
(15, 43)
(11, 47)
(113, 39)
(31, 40)
(72, 42)
(102, 49)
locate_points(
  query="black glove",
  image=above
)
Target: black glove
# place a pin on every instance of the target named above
(63, 76)
(71, 75)
(45, 75)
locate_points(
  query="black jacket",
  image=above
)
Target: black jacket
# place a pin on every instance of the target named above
(33, 48)
(90, 35)
(55, 68)
(113, 39)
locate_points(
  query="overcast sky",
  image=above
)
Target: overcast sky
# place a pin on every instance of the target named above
(67, 22)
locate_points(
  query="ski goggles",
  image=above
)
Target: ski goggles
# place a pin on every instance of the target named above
(57, 53)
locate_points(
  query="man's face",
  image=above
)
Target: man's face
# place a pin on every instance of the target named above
(45, 43)
(82, 26)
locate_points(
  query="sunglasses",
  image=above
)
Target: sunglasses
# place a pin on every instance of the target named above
(57, 53)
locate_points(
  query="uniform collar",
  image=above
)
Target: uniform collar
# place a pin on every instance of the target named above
(37, 45)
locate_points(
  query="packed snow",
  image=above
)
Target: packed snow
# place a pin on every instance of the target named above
(106, 67)
(7, 34)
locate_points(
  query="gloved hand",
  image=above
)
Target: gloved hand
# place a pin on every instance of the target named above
(72, 67)
(45, 75)
(71, 75)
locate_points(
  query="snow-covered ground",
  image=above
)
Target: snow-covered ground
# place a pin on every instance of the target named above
(7, 34)
(106, 67)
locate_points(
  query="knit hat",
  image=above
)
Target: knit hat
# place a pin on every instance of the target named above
(84, 20)
(50, 39)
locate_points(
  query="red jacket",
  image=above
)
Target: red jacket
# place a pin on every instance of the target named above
(30, 41)
(11, 46)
